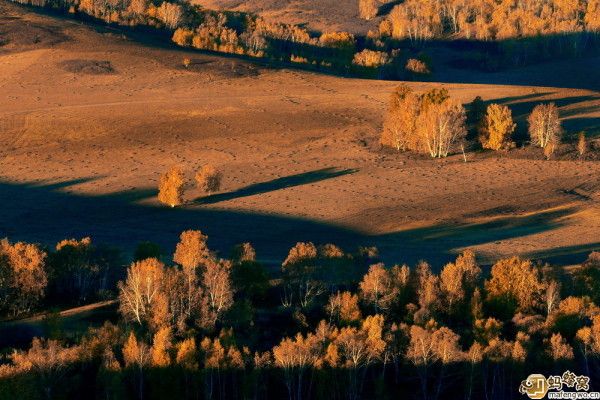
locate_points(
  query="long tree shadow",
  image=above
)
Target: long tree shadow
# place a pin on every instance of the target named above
(47, 213)
(442, 240)
(277, 184)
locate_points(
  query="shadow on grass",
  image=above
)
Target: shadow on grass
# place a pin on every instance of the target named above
(521, 107)
(277, 184)
(565, 255)
(47, 213)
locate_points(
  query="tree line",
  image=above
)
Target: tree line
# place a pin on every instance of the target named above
(328, 324)
(555, 28)
(433, 123)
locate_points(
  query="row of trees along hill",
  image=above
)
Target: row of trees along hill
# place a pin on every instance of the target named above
(532, 30)
(333, 324)
(435, 124)
(75, 272)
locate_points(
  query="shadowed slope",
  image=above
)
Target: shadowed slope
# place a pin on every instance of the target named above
(46, 213)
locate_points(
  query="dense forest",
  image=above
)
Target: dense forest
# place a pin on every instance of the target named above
(328, 324)
(491, 34)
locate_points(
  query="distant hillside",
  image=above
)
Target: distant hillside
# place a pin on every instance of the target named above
(320, 15)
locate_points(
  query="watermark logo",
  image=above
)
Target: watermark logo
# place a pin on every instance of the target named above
(565, 386)
(535, 386)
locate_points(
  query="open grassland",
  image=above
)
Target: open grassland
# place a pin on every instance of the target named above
(90, 119)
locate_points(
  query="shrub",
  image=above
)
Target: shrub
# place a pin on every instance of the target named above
(371, 58)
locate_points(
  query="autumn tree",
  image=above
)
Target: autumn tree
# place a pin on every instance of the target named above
(187, 354)
(367, 9)
(559, 349)
(294, 356)
(497, 127)
(49, 361)
(514, 284)
(141, 290)
(544, 125)
(300, 275)
(171, 14)
(170, 187)
(137, 355)
(208, 179)
(161, 346)
(23, 277)
(581, 144)
(428, 292)
(343, 307)
(191, 253)
(360, 348)
(382, 288)
(458, 280)
(430, 345)
(441, 126)
(217, 291)
(400, 123)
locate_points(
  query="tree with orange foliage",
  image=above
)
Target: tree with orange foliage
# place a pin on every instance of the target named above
(459, 279)
(170, 187)
(161, 346)
(378, 288)
(137, 355)
(430, 345)
(514, 285)
(294, 356)
(559, 349)
(343, 307)
(400, 123)
(220, 354)
(299, 269)
(497, 127)
(23, 277)
(367, 9)
(217, 292)
(140, 291)
(359, 348)
(48, 360)
(191, 253)
(171, 14)
(441, 126)
(544, 125)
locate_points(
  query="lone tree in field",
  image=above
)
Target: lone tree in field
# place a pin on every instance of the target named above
(544, 125)
(497, 127)
(170, 187)
(367, 9)
(209, 179)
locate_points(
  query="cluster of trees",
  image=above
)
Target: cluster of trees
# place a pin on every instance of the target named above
(378, 53)
(433, 124)
(420, 20)
(76, 272)
(172, 184)
(205, 327)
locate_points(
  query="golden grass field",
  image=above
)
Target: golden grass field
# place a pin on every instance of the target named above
(89, 119)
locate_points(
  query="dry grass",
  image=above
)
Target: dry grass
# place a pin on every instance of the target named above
(258, 125)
